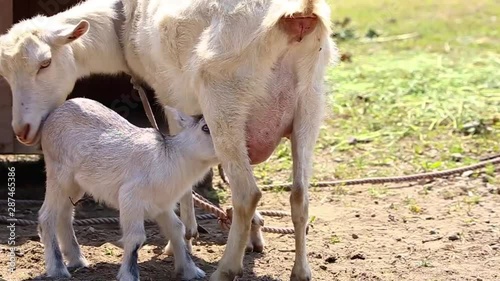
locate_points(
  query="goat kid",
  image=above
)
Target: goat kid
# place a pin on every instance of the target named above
(88, 148)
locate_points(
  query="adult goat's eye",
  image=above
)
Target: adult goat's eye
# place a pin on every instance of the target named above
(45, 64)
(205, 129)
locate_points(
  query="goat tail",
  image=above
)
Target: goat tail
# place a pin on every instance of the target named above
(305, 7)
(308, 6)
(292, 8)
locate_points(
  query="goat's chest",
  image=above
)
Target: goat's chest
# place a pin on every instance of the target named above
(161, 61)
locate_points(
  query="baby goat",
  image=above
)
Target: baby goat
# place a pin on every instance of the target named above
(89, 148)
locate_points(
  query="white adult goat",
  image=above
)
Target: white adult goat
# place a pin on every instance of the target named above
(253, 68)
(89, 148)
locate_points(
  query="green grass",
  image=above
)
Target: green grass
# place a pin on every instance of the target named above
(418, 103)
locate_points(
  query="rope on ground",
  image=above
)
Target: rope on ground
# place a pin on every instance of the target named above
(278, 230)
(206, 205)
(111, 220)
(397, 179)
(268, 213)
(216, 213)
(85, 222)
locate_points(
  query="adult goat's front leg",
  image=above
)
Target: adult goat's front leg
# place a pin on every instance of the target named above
(225, 106)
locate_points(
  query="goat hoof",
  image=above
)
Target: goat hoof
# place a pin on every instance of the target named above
(191, 274)
(249, 248)
(256, 240)
(254, 249)
(192, 234)
(301, 273)
(304, 278)
(219, 275)
(168, 250)
(81, 263)
(126, 277)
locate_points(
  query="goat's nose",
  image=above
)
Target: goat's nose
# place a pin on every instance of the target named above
(22, 134)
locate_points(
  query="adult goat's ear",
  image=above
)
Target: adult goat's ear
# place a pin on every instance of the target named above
(69, 33)
(182, 119)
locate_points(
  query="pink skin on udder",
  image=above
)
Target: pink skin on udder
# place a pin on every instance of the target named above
(272, 119)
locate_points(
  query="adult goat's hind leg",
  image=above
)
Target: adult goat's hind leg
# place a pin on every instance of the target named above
(48, 218)
(225, 110)
(306, 123)
(303, 140)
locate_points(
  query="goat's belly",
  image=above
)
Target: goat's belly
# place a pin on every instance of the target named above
(268, 125)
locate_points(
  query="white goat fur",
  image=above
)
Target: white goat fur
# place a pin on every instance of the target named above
(221, 58)
(88, 148)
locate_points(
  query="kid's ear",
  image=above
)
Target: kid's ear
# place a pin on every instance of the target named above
(182, 119)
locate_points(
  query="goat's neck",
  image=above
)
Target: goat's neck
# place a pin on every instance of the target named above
(98, 51)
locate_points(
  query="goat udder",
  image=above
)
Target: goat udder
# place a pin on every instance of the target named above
(262, 144)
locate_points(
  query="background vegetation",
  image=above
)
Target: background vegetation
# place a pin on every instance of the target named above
(430, 102)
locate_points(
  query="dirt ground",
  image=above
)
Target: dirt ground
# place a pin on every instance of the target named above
(444, 230)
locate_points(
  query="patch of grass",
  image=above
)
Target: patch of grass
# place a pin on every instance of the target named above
(377, 192)
(218, 194)
(473, 199)
(334, 239)
(457, 207)
(425, 190)
(340, 190)
(419, 102)
(109, 252)
(444, 26)
(489, 170)
(469, 221)
(425, 263)
(416, 209)
(413, 206)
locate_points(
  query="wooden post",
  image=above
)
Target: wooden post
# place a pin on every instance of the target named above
(7, 138)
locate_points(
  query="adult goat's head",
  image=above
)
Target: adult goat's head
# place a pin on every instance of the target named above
(39, 65)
